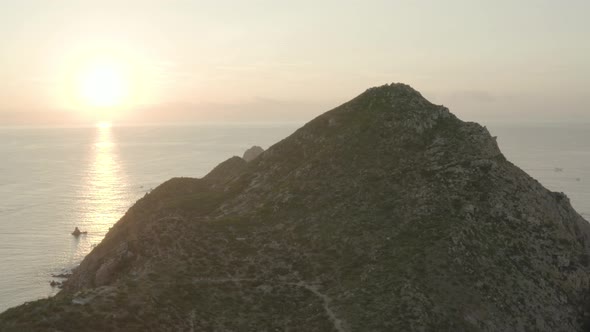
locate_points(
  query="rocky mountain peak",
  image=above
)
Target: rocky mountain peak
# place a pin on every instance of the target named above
(391, 110)
(394, 97)
(394, 90)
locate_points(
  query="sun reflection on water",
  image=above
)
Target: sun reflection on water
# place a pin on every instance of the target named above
(102, 197)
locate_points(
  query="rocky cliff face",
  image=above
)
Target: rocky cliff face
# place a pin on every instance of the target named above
(385, 214)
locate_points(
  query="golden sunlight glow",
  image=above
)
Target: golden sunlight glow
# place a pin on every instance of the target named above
(101, 83)
(103, 195)
(104, 125)
(103, 86)
(104, 83)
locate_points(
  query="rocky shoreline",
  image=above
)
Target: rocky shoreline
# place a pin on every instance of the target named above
(62, 278)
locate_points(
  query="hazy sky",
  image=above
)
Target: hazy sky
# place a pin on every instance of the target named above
(289, 60)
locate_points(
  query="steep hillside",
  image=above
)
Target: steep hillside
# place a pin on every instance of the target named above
(386, 213)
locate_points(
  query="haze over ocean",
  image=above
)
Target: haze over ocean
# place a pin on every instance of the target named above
(53, 179)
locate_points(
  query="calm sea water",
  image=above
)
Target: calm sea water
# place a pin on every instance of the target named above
(53, 179)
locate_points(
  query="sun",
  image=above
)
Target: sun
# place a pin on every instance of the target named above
(104, 125)
(104, 83)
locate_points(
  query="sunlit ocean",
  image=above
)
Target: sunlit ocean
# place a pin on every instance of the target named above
(54, 179)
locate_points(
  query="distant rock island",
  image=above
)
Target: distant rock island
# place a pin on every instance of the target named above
(252, 153)
(387, 213)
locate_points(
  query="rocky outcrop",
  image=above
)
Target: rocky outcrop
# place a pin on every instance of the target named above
(386, 213)
(252, 153)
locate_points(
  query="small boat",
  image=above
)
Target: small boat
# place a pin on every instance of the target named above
(77, 232)
(557, 169)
